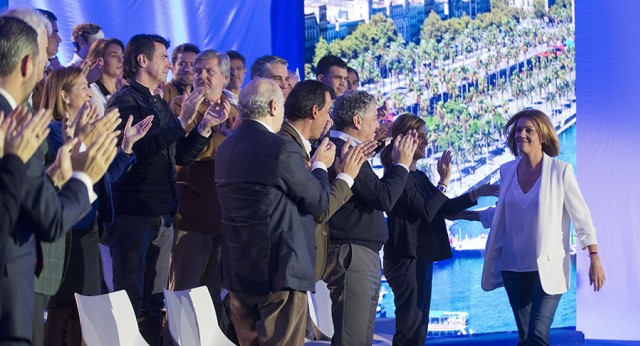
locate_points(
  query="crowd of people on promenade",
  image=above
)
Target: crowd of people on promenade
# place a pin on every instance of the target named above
(255, 191)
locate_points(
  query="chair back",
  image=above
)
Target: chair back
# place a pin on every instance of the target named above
(192, 318)
(108, 320)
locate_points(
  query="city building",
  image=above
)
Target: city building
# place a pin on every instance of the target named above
(335, 19)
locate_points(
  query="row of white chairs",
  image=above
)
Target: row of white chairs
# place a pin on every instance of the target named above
(109, 320)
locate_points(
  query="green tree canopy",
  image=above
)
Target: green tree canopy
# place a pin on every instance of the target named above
(433, 28)
(539, 9)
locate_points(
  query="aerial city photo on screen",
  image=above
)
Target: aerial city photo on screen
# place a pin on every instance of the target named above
(464, 67)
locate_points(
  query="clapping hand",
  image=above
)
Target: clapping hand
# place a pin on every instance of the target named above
(404, 147)
(132, 134)
(444, 167)
(92, 71)
(216, 114)
(61, 169)
(382, 111)
(190, 105)
(96, 159)
(21, 133)
(352, 158)
(80, 123)
(88, 129)
(326, 128)
(325, 153)
(383, 132)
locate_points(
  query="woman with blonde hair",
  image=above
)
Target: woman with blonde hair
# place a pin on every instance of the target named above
(66, 93)
(418, 234)
(528, 249)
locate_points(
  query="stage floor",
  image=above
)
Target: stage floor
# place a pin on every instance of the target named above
(385, 328)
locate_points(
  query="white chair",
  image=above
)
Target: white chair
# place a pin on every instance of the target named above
(321, 310)
(108, 320)
(192, 318)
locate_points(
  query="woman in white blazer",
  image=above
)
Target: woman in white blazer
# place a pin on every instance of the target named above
(527, 250)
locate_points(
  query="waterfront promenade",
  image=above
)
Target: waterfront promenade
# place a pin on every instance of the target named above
(485, 168)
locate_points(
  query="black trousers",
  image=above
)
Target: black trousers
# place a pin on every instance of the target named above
(411, 282)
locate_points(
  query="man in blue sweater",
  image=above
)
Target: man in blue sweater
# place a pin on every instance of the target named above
(358, 229)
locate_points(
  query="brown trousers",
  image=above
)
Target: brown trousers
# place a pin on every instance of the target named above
(277, 318)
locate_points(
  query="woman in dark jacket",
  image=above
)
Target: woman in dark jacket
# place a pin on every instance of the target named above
(72, 263)
(418, 234)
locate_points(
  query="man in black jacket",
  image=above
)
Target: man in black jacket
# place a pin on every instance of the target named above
(268, 199)
(358, 229)
(145, 200)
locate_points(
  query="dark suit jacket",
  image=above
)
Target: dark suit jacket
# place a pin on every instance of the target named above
(340, 194)
(417, 227)
(360, 221)
(12, 172)
(44, 212)
(268, 199)
(53, 254)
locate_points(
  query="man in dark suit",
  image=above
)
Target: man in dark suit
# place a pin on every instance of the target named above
(268, 199)
(358, 229)
(43, 212)
(18, 142)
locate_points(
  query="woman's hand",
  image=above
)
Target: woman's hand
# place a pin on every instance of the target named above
(133, 133)
(487, 190)
(444, 168)
(596, 273)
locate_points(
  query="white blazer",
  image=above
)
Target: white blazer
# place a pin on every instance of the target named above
(560, 201)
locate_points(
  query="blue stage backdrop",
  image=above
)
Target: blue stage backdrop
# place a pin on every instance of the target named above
(248, 26)
(607, 52)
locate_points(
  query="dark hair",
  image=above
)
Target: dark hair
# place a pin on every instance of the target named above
(326, 62)
(546, 132)
(350, 105)
(400, 126)
(17, 40)
(140, 44)
(185, 47)
(83, 31)
(99, 48)
(236, 55)
(50, 16)
(303, 97)
(258, 67)
(351, 69)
